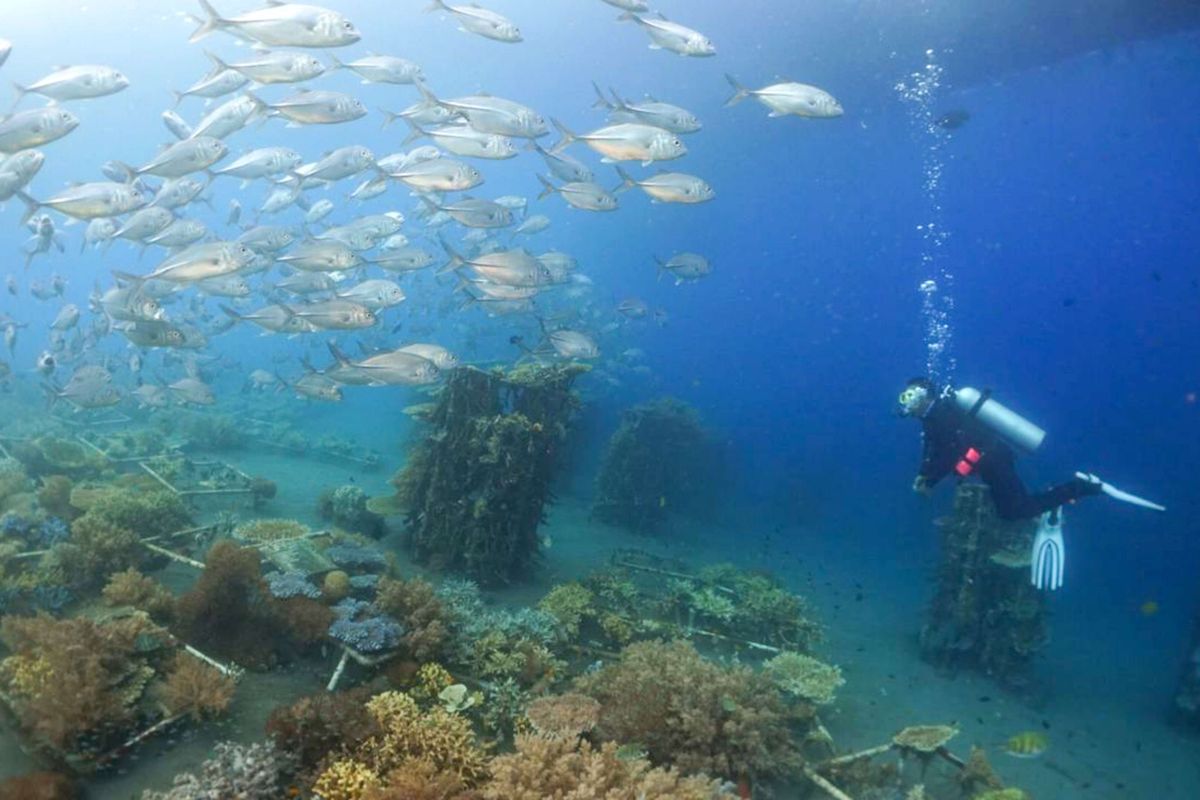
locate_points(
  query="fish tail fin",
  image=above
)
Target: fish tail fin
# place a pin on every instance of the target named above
(618, 103)
(31, 206)
(388, 117)
(21, 92)
(456, 259)
(415, 132)
(218, 63)
(436, 5)
(627, 181)
(129, 277)
(337, 354)
(231, 312)
(212, 22)
(129, 174)
(548, 188)
(629, 16)
(337, 63)
(52, 393)
(601, 100)
(662, 267)
(178, 97)
(740, 92)
(568, 137)
(427, 93)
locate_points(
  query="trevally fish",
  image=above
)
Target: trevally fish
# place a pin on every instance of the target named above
(488, 114)
(667, 35)
(229, 117)
(464, 140)
(76, 83)
(439, 175)
(200, 261)
(382, 69)
(185, 157)
(35, 127)
(321, 256)
(564, 167)
(627, 141)
(282, 25)
(317, 108)
(264, 162)
(684, 267)
(789, 97)
(278, 67)
(90, 200)
(217, 83)
(587, 196)
(376, 294)
(180, 233)
(478, 20)
(669, 187)
(651, 112)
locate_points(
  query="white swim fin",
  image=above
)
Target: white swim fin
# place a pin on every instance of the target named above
(1049, 553)
(1117, 494)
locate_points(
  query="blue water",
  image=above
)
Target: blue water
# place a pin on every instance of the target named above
(1068, 198)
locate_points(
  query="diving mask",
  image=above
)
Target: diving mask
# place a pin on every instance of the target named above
(913, 400)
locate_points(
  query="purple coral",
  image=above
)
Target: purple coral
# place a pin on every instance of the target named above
(361, 627)
(52, 531)
(291, 584)
(247, 772)
(14, 525)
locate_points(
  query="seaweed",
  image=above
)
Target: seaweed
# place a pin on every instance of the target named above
(984, 614)
(474, 491)
(659, 460)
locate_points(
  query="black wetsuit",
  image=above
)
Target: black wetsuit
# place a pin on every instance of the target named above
(948, 433)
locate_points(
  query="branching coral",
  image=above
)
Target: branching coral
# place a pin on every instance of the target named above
(562, 768)
(245, 772)
(692, 713)
(196, 688)
(73, 677)
(763, 609)
(569, 603)
(315, 726)
(415, 603)
(306, 621)
(230, 612)
(360, 626)
(269, 530)
(132, 588)
(291, 584)
(436, 736)
(347, 508)
(567, 715)
(54, 496)
(804, 677)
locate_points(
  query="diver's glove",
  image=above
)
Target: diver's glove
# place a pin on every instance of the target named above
(1049, 553)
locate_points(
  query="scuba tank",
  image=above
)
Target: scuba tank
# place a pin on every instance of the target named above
(1001, 420)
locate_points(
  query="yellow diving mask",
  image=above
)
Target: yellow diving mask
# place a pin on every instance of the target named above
(912, 400)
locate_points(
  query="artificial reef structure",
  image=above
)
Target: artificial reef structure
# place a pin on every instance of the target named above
(473, 492)
(985, 615)
(1187, 696)
(659, 460)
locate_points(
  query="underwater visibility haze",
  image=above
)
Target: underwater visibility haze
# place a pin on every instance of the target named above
(599, 399)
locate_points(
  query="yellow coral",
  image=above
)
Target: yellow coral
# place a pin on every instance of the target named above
(432, 678)
(443, 739)
(25, 675)
(270, 530)
(336, 585)
(568, 603)
(345, 779)
(804, 677)
(617, 628)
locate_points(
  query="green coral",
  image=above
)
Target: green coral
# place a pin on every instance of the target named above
(804, 677)
(13, 481)
(569, 603)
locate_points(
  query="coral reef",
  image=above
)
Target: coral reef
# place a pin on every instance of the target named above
(346, 507)
(345, 779)
(421, 780)
(977, 775)
(39, 786)
(354, 556)
(569, 715)
(694, 714)
(291, 584)
(315, 726)
(196, 688)
(269, 530)
(54, 496)
(569, 603)
(335, 586)
(132, 588)
(245, 772)
(305, 621)
(13, 481)
(51, 455)
(475, 489)
(660, 459)
(362, 627)
(567, 768)
(804, 677)
(1187, 695)
(73, 678)
(984, 614)
(230, 612)
(415, 603)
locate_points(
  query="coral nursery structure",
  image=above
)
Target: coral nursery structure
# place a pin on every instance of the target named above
(659, 460)
(474, 490)
(984, 615)
(1187, 696)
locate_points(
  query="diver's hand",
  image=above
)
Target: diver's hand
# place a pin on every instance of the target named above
(921, 486)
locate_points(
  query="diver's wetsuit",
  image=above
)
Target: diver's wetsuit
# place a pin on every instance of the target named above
(948, 433)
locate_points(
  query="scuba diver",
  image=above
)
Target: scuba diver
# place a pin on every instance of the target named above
(966, 432)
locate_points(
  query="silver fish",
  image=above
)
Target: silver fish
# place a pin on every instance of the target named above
(684, 267)
(282, 25)
(667, 35)
(193, 391)
(789, 97)
(265, 162)
(307, 283)
(67, 318)
(627, 141)
(319, 211)
(202, 261)
(178, 192)
(229, 117)
(91, 200)
(176, 125)
(185, 157)
(217, 83)
(281, 67)
(76, 83)
(651, 112)
(180, 233)
(273, 319)
(98, 231)
(476, 213)
(585, 196)
(440, 356)
(39, 126)
(478, 20)
(343, 162)
(531, 225)
(669, 187)
(405, 259)
(439, 175)
(145, 223)
(376, 294)
(318, 387)
(267, 238)
(463, 140)
(488, 114)
(335, 314)
(318, 108)
(564, 167)
(321, 256)
(382, 69)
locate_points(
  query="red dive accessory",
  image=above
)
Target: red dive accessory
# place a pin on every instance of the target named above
(966, 464)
